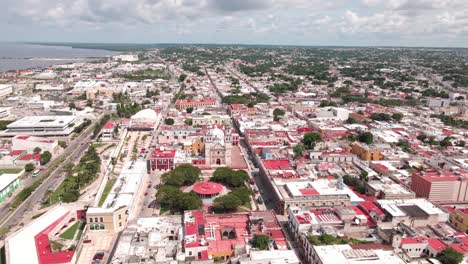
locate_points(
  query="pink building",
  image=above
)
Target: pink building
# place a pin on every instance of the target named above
(441, 185)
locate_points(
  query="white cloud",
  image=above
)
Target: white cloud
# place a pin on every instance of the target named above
(241, 19)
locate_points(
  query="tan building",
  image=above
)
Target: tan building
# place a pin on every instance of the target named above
(109, 219)
(206, 120)
(459, 218)
(366, 152)
(122, 202)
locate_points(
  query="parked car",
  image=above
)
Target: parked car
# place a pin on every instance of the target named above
(98, 256)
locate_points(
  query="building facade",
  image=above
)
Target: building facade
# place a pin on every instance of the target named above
(218, 148)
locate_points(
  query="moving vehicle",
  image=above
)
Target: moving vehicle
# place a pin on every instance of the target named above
(260, 200)
(36, 173)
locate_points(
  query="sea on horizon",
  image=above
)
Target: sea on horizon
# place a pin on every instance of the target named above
(17, 56)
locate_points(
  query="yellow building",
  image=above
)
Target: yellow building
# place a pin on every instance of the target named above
(198, 147)
(109, 219)
(459, 218)
(366, 152)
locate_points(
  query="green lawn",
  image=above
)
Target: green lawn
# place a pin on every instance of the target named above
(69, 234)
(106, 191)
(80, 231)
(10, 170)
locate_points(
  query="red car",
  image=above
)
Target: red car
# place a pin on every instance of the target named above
(98, 256)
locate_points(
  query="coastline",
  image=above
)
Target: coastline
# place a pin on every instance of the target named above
(16, 56)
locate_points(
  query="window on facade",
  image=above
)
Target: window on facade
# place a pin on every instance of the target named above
(101, 219)
(101, 226)
(120, 216)
(96, 219)
(120, 223)
(90, 219)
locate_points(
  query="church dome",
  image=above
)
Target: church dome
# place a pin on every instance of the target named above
(217, 135)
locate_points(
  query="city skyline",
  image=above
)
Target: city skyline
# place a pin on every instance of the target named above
(306, 23)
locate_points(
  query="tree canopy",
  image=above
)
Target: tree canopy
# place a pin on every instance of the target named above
(230, 177)
(172, 198)
(310, 139)
(45, 157)
(182, 175)
(260, 241)
(450, 256)
(169, 121)
(366, 137)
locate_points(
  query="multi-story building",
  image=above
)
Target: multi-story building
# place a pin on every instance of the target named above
(331, 254)
(4, 112)
(120, 205)
(29, 143)
(218, 148)
(206, 120)
(208, 236)
(459, 218)
(108, 130)
(9, 182)
(5, 89)
(42, 126)
(184, 104)
(441, 185)
(163, 159)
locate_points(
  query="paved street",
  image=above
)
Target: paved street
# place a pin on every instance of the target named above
(73, 153)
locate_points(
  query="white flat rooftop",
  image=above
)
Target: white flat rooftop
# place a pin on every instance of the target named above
(7, 179)
(21, 246)
(126, 187)
(42, 121)
(345, 254)
(392, 206)
(323, 187)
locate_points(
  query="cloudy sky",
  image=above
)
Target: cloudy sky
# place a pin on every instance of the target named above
(289, 22)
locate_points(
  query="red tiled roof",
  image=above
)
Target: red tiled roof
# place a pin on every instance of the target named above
(413, 240)
(109, 125)
(370, 206)
(309, 192)
(36, 157)
(277, 164)
(17, 152)
(43, 250)
(207, 188)
(436, 244)
(169, 153)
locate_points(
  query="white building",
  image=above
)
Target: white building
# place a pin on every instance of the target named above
(438, 102)
(37, 103)
(268, 257)
(27, 245)
(121, 204)
(29, 143)
(145, 119)
(332, 113)
(49, 87)
(345, 254)
(42, 126)
(4, 112)
(126, 57)
(5, 89)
